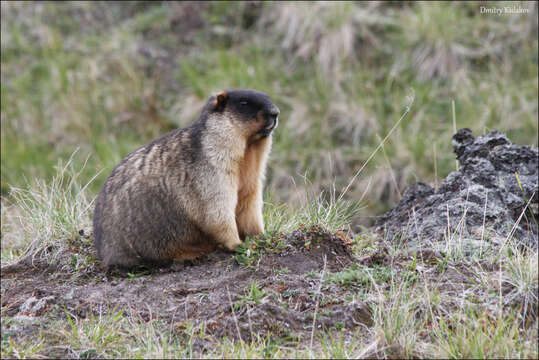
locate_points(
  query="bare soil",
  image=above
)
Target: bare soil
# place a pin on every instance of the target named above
(214, 290)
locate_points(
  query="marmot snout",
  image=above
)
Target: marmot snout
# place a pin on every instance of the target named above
(192, 189)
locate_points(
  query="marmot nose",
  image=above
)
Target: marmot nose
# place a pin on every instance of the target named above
(274, 112)
(272, 118)
(271, 122)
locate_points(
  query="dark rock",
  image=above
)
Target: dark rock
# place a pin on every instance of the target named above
(496, 185)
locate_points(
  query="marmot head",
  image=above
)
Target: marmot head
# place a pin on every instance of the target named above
(252, 112)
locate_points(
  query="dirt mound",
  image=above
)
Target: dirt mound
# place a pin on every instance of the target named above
(493, 196)
(275, 294)
(306, 249)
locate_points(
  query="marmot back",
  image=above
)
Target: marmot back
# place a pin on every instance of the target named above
(190, 190)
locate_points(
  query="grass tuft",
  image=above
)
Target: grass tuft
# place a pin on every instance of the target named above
(55, 220)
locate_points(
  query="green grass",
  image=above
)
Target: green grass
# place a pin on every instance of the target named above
(74, 83)
(478, 305)
(253, 296)
(356, 277)
(477, 336)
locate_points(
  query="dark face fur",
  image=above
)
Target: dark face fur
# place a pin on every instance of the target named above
(252, 107)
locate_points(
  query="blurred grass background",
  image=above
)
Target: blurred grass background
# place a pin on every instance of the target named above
(109, 77)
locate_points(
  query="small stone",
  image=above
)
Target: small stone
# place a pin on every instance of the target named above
(35, 306)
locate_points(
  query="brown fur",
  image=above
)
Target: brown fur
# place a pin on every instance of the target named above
(191, 190)
(248, 208)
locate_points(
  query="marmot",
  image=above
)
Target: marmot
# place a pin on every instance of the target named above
(191, 190)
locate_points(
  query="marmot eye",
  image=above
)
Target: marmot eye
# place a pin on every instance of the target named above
(243, 102)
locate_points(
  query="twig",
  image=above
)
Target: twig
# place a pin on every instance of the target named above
(515, 225)
(234, 314)
(435, 167)
(483, 227)
(411, 98)
(454, 128)
(250, 323)
(391, 172)
(316, 306)
(369, 351)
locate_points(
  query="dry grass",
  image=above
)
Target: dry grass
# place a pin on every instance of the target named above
(48, 221)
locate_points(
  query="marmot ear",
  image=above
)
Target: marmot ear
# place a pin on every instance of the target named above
(220, 101)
